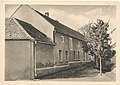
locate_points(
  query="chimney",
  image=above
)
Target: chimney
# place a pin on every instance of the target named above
(47, 14)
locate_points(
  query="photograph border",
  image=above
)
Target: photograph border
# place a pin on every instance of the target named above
(2, 43)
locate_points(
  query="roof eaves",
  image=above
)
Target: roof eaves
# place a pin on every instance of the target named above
(56, 24)
(47, 43)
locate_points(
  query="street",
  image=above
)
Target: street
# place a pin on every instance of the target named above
(87, 74)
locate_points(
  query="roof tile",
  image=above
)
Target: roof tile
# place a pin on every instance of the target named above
(13, 30)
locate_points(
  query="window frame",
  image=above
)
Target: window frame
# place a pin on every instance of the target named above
(78, 55)
(78, 43)
(66, 55)
(60, 55)
(74, 55)
(71, 43)
(62, 39)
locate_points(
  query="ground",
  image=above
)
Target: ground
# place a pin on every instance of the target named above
(88, 74)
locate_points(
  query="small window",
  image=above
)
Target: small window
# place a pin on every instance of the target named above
(78, 43)
(60, 55)
(71, 43)
(84, 57)
(74, 54)
(62, 39)
(66, 55)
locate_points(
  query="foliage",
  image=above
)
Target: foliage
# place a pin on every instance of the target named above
(99, 42)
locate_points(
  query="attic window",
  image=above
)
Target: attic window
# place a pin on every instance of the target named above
(62, 39)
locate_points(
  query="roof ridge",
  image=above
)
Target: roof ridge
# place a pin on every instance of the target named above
(58, 24)
(44, 16)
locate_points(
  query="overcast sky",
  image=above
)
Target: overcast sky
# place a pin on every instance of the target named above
(73, 16)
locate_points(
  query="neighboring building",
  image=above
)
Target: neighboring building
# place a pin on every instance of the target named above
(28, 49)
(25, 45)
(68, 42)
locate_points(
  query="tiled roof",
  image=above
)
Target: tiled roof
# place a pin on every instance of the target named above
(18, 29)
(59, 27)
(14, 31)
(33, 32)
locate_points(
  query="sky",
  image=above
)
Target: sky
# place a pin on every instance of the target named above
(73, 16)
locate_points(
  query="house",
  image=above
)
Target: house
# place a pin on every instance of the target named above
(68, 42)
(22, 44)
(30, 52)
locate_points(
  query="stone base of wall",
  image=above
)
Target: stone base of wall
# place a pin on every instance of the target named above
(42, 72)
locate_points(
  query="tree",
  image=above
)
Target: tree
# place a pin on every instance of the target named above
(99, 43)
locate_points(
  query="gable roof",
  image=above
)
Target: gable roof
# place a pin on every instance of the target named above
(14, 31)
(59, 27)
(18, 29)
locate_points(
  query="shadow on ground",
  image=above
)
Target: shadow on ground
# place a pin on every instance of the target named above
(76, 72)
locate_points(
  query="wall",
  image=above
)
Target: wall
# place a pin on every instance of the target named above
(77, 47)
(44, 55)
(28, 15)
(65, 46)
(18, 58)
(44, 73)
(80, 49)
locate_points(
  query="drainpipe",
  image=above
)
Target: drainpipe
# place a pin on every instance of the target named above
(35, 42)
(53, 47)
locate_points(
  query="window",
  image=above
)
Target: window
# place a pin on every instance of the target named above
(78, 55)
(74, 54)
(70, 43)
(62, 39)
(78, 43)
(60, 55)
(84, 57)
(66, 55)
